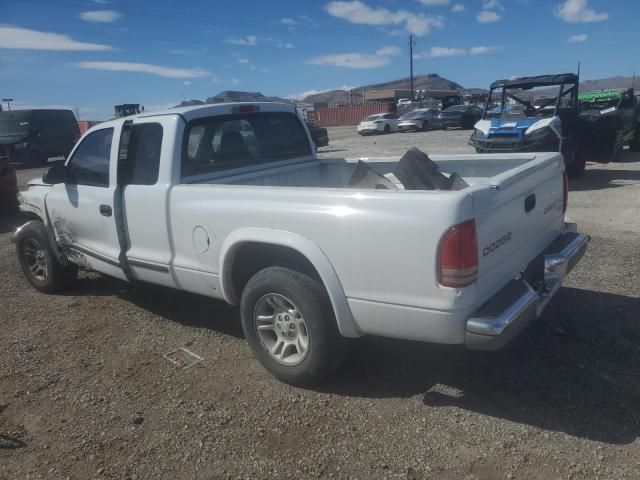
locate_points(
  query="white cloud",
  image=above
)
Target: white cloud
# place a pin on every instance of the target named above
(358, 12)
(492, 5)
(351, 60)
(458, 7)
(438, 52)
(187, 82)
(234, 81)
(306, 93)
(288, 45)
(578, 38)
(288, 21)
(578, 11)
(380, 58)
(434, 2)
(488, 17)
(388, 51)
(100, 16)
(243, 60)
(159, 70)
(188, 52)
(249, 40)
(23, 38)
(102, 2)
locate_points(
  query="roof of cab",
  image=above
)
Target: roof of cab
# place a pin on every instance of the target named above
(196, 111)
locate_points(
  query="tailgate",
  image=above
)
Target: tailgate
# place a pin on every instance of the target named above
(516, 219)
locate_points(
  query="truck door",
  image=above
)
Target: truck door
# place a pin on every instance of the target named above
(82, 209)
(147, 181)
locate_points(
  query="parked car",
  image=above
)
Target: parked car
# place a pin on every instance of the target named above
(404, 101)
(379, 123)
(610, 120)
(8, 185)
(33, 136)
(180, 198)
(462, 116)
(420, 119)
(551, 124)
(319, 135)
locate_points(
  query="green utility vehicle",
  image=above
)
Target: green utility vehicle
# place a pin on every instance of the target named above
(611, 120)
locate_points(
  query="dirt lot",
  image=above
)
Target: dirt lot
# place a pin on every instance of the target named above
(85, 391)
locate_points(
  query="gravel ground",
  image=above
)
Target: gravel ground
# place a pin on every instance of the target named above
(86, 393)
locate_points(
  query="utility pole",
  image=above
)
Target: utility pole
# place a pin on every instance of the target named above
(411, 44)
(8, 100)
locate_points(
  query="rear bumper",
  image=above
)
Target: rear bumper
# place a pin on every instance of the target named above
(509, 311)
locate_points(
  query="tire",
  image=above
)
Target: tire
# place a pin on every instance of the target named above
(425, 126)
(576, 167)
(38, 260)
(317, 349)
(634, 144)
(387, 128)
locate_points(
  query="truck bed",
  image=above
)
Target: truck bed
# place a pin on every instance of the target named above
(336, 172)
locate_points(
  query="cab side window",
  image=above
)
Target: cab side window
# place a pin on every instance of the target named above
(90, 162)
(144, 154)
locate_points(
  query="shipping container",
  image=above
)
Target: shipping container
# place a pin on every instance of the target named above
(350, 114)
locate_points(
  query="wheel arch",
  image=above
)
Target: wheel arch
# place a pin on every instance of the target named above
(278, 247)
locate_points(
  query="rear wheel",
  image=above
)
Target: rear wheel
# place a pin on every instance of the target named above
(576, 165)
(288, 322)
(38, 260)
(634, 144)
(425, 126)
(387, 128)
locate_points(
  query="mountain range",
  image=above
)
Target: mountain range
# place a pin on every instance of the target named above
(431, 81)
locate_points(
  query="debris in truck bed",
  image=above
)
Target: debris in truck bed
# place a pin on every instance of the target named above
(417, 171)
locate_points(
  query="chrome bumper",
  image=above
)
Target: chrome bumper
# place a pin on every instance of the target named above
(505, 315)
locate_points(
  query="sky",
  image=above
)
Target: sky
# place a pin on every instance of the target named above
(89, 55)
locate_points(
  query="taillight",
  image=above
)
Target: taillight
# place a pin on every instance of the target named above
(458, 256)
(565, 191)
(245, 109)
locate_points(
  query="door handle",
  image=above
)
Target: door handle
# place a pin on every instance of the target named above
(105, 210)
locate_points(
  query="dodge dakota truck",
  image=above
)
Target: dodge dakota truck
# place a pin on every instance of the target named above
(230, 201)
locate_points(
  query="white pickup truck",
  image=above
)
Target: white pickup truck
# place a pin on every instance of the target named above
(230, 201)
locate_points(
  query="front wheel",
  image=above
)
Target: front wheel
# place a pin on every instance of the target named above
(289, 324)
(425, 126)
(387, 128)
(38, 260)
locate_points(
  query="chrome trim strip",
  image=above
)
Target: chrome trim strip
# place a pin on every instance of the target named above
(90, 253)
(147, 265)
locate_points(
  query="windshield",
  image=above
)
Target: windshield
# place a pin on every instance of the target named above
(456, 108)
(14, 124)
(414, 114)
(600, 100)
(371, 118)
(530, 102)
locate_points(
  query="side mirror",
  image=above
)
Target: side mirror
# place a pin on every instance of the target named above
(55, 174)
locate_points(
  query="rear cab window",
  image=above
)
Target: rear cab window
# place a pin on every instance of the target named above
(224, 142)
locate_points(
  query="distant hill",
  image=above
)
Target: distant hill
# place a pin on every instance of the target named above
(237, 96)
(608, 84)
(431, 81)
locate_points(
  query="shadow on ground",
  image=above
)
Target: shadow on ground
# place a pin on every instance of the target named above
(576, 370)
(601, 178)
(177, 306)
